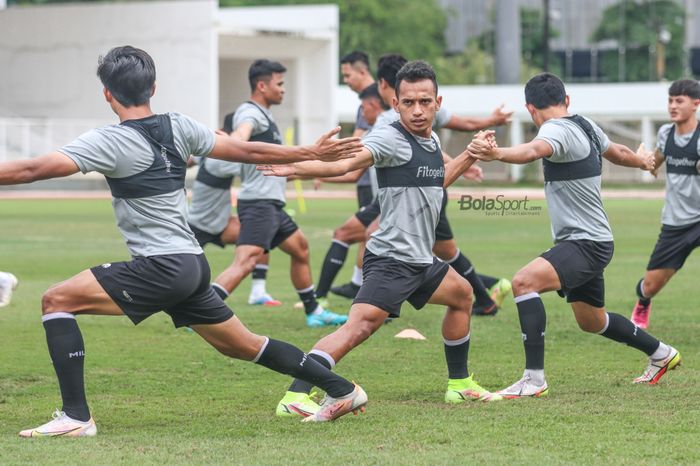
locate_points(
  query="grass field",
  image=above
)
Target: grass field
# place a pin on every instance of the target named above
(162, 396)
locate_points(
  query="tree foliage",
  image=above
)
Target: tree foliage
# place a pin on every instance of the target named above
(636, 27)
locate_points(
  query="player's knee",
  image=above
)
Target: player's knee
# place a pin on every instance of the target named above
(343, 234)
(51, 301)
(522, 284)
(362, 330)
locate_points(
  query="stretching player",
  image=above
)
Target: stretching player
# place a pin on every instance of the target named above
(264, 225)
(678, 143)
(399, 264)
(144, 162)
(571, 148)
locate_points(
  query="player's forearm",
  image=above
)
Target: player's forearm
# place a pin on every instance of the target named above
(349, 177)
(622, 155)
(28, 171)
(234, 150)
(316, 169)
(457, 166)
(517, 155)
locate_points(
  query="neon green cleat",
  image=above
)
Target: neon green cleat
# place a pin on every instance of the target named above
(297, 404)
(461, 390)
(500, 291)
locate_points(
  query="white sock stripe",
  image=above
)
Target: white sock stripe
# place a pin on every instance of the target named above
(457, 342)
(607, 322)
(449, 261)
(262, 350)
(219, 287)
(526, 296)
(345, 245)
(262, 266)
(641, 288)
(324, 355)
(306, 290)
(57, 315)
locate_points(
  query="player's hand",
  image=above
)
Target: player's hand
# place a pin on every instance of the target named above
(474, 173)
(328, 149)
(221, 132)
(501, 115)
(277, 170)
(483, 146)
(648, 159)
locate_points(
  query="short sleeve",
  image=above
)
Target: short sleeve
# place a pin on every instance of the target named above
(556, 136)
(193, 138)
(248, 113)
(91, 152)
(662, 137)
(389, 148)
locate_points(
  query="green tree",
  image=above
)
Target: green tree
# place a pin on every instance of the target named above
(637, 28)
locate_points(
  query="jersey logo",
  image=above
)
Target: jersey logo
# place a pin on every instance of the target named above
(424, 171)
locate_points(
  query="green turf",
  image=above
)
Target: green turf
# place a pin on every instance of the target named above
(161, 396)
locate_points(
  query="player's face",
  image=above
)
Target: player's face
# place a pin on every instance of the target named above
(351, 76)
(417, 105)
(273, 91)
(371, 110)
(681, 108)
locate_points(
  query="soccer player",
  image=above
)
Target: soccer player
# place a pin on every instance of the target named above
(264, 223)
(144, 161)
(571, 148)
(210, 216)
(355, 228)
(8, 284)
(399, 264)
(677, 144)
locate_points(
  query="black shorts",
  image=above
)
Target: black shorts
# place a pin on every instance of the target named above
(176, 283)
(674, 246)
(264, 223)
(443, 230)
(364, 195)
(204, 237)
(387, 282)
(366, 215)
(580, 265)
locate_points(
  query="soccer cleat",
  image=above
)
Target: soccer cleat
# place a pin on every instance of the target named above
(325, 318)
(297, 404)
(524, 387)
(333, 408)
(62, 426)
(348, 290)
(8, 284)
(500, 290)
(485, 310)
(640, 315)
(263, 300)
(656, 369)
(461, 390)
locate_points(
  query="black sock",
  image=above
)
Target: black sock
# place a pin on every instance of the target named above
(624, 331)
(643, 300)
(488, 280)
(287, 359)
(456, 355)
(308, 297)
(335, 258)
(301, 386)
(465, 268)
(533, 321)
(260, 272)
(67, 352)
(219, 290)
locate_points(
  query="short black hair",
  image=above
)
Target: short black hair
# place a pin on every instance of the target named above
(415, 71)
(372, 92)
(545, 90)
(355, 56)
(388, 66)
(128, 73)
(687, 87)
(261, 70)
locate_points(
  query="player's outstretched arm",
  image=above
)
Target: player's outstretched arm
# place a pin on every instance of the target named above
(622, 155)
(51, 165)
(457, 167)
(483, 147)
(325, 149)
(498, 117)
(316, 169)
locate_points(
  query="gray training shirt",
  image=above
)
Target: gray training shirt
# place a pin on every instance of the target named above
(409, 214)
(210, 209)
(682, 206)
(151, 226)
(255, 185)
(575, 206)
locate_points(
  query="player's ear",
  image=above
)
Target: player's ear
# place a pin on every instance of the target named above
(438, 100)
(107, 94)
(153, 89)
(566, 101)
